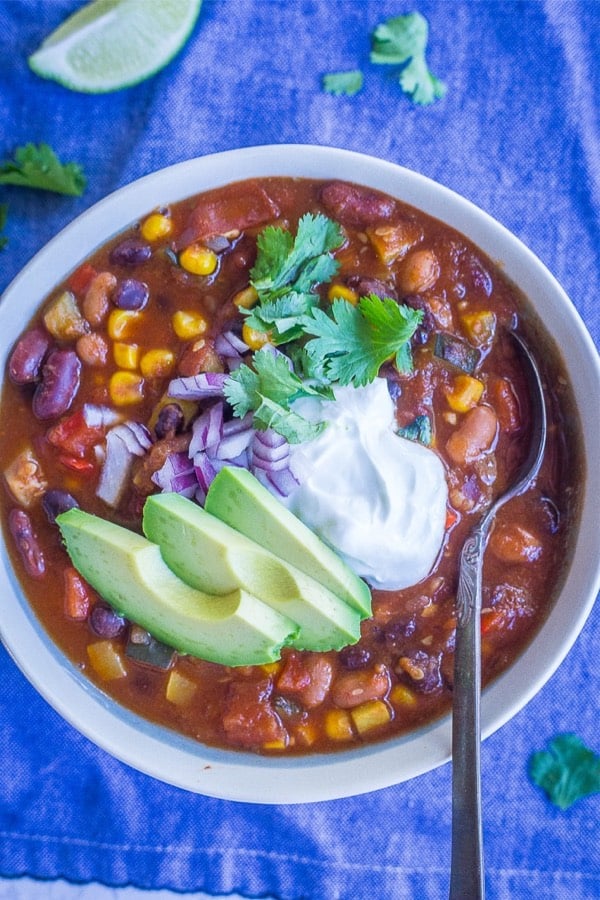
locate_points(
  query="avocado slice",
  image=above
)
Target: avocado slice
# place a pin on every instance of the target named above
(210, 556)
(237, 497)
(129, 572)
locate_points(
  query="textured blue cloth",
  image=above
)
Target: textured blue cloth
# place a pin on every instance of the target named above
(519, 134)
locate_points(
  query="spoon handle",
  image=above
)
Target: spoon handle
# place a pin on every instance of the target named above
(467, 874)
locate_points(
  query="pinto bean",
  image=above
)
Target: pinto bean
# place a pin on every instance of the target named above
(60, 382)
(355, 206)
(354, 688)
(27, 543)
(511, 543)
(92, 349)
(96, 302)
(28, 355)
(418, 272)
(474, 436)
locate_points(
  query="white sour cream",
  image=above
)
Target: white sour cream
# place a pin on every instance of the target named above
(378, 499)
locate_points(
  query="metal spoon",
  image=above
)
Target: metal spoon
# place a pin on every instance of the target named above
(467, 872)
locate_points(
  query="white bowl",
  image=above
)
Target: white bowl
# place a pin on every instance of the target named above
(245, 777)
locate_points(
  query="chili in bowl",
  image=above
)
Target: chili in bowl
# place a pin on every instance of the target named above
(253, 405)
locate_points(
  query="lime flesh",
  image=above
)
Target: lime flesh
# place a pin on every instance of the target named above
(112, 44)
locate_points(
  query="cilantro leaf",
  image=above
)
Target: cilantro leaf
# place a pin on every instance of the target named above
(339, 83)
(403, 41)
(357, 340)
(39, 167)
(285, 263)
(267, 390)
(567, 771)
(3, 216)
(281, 317)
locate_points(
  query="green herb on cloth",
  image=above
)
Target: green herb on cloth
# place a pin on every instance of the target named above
(343, 83)
(40, 168)
(567, 771)
(403, 41)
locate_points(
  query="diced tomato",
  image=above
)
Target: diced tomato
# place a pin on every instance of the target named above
(451, 518)
(81, 278)
(249, 719)
(77, 464)
(492, 621)
(74, 436)
(78, 595)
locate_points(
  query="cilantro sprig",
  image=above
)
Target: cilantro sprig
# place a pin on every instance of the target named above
(268, 389)
(567, 771)
(402, 41)
(40, 168)
(343, 83)
(356, 340)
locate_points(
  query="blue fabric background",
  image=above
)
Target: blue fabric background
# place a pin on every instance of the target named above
(519, 134)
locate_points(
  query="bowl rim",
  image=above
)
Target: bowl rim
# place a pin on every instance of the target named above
(240, 776)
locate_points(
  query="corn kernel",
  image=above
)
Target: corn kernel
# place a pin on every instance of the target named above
(156, 226)
(126, 356)
(106, 660)
(338, 725)
(465, 393)
(369, 715)
(198, 260)
(180, 690)
(246, 298)
(120, 323)
(342, 292)
(254, 339)
(480, 327)
(188, 324)
(280, 744)
(157, 363)
(126, 388)
(403, 696)
(271, 668)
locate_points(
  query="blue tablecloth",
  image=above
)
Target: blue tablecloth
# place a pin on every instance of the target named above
(519, 134)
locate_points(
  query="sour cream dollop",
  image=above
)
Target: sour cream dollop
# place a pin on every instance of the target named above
(379, 500)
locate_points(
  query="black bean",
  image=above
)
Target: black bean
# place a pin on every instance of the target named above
(355, 657)
(60, 382)
(27, 543)
(131, 294)
(55, 502)
(130, 252)
(364, 286)
(105, 622)
(396, 632)
(424, 330)
(423, 671)
(286, 706)
(28, 355)
(170, 421)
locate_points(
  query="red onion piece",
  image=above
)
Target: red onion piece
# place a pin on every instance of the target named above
(207, 430)
(198, 387)
(177, 474)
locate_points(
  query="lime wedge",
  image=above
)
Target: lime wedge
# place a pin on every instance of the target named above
(112, 44)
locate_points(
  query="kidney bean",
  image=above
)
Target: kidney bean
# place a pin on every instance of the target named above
(355, 206)
(354, 688)
(105, 622)
(28, 355)
(92, 349)
(170, 421)
(131, 252)
(60, 382)
(95, 304)
(131, 294)
(27, 543)
(55, 502)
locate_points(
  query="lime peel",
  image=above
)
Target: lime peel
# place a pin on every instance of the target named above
(109, 45)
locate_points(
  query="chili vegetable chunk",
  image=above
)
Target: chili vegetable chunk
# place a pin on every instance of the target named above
(305, 394)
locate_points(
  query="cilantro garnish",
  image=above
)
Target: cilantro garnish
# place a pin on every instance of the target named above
(286, 271)
(343, 83)
(403, 41)
(3, 215)
(357, 340)
(39, 167)
(567, 771)
(267, 389)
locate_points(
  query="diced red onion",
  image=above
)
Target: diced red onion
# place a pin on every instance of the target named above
(135, 436)
(207, 430)
(115, 471)
(232, 445)
(177, 474)
(97, 416)
(284, 482)
(204, 470)
(270, 465)
(265, 448)
(229, 344)
(198, 387)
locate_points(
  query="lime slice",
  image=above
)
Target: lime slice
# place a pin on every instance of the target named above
(112, 44)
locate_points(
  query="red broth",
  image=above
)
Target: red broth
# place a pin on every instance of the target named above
(399, 675)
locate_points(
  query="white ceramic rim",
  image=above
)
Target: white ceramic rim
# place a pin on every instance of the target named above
(245, 777)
